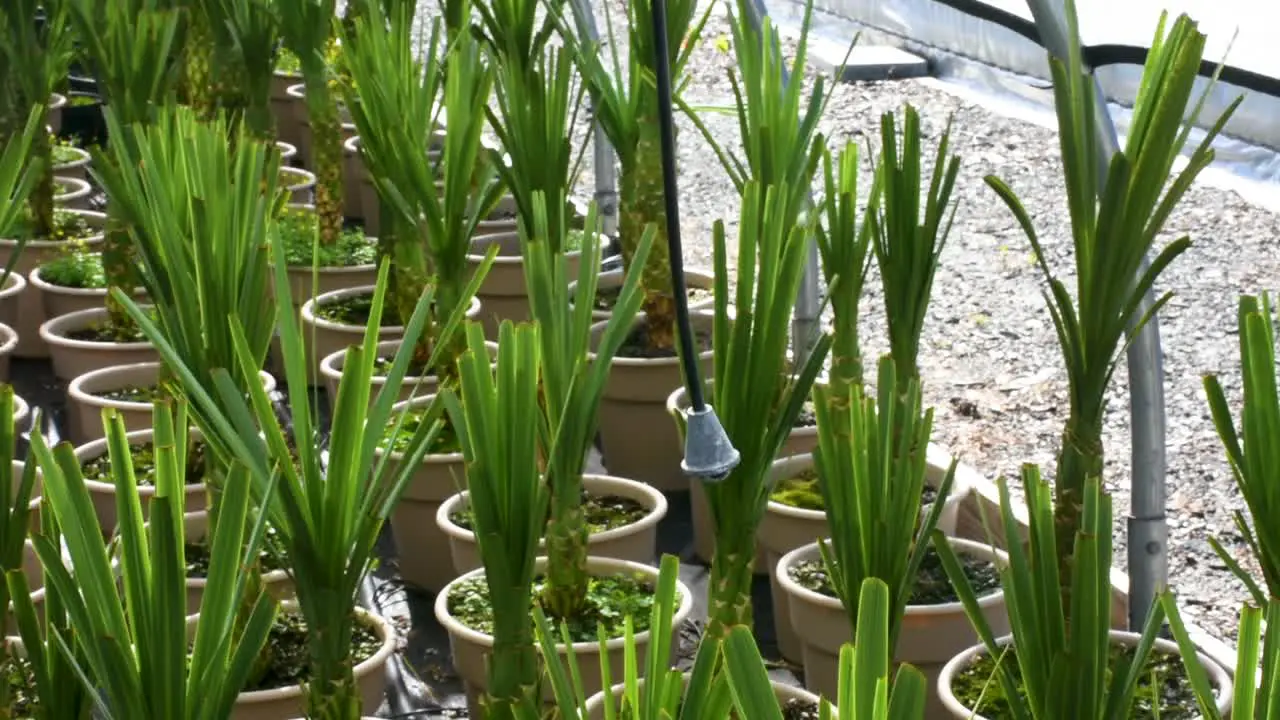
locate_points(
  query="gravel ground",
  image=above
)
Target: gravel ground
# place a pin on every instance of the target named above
(989, 356)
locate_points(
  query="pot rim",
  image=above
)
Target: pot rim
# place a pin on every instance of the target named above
(287, 150)
(13, 285)
(56, 101)
(455, 458)
(605, 565)
(698, 320)
(306, 177)
(488, 238)
(810, 552)
(36, 278)
(21, 410)
(1217, 675)
(95, 219)
(297, 91)
(80, 188)
(77, 392)
(596, 700)
(53, 330)
(332, 364)
(10, 337)
(309, 313)
(85, 157)
(95, 449)
(655, 512)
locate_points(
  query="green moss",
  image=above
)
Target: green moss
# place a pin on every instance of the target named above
(287, 62)
(607, 512)
(67, 226)
(610, 600)
(135, 394)
(296, 228)
(932, 586)
(76, 267)
(800, 491)
(24, 701)
(65, 152)
(356, 311)
(1163, 687)
(290, 652)
(144, 465)
(270, 554)
(446, 440)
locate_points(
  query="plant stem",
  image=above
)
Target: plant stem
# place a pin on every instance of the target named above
(197, 64)
(643, 201)
(1081, 458)
(41, 202)
(332, 693)
(565, 593)
(117, 266)
(729, 601)
(514, 664)
(326, 150)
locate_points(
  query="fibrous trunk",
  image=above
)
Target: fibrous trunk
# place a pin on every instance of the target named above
(513, 669)
(117, 265)
(326, 154)
(408, 276)
(729, 601)
(332, 692)
(643, 202)
(1081, 459)
(41, 201)
(197, 64)
(566, 590)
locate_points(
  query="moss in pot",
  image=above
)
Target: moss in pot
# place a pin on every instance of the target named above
(355, 311)
(296, 228)
(144, 468)
(19, 676)
(932, 586)
(67, 226)
(602, 513)
(77, 267)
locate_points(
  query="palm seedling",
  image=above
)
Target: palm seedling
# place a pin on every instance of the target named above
(1257, 681)
(241, 37)
(306, 27)
(129, 626)
(571, 387)
(1113, 227)
(500, 432)
(872, 478)
(1252, 450)
(129, 44)
(17, 180)
(625, 103)
(433, 216)
(33, 60)
(755, 396)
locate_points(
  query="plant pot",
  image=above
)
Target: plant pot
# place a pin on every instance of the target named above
(330, 337)
(294, 126)
(14, 284)
(613, 279)
(8, 341)
(29, 315)
(354, 177)
(303, 286)
(300, 184)
(21, 415)
(196, 529)
(298, 97)
(85, 401)
(77, 169)
(31, 568)
(83, 120)
(595, 705)
(419, 540)
(412, 386)
(784, 528)
(638, 437)
(636, 542)
(282, 108)
(53, 112)
(56, 300)
(72, 193)
(470, 650)
(930, 634)
(954, 708)
(503, 293)
(103, 495)
(289, 702)
(288, 153)
(73, 358)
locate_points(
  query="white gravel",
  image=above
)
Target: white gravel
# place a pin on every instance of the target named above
(989, 356)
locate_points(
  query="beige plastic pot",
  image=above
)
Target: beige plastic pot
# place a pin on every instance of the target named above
(53, 113)
(930, 635)
(1219, 679)
(420, 542)
(72, 358)
(71, 193)
(77, 169)
(86, 400)
(14, 284)
(353, 178)
(503, 292)
(470, 650)
(103, 495)
(282, 107)
(29, 314)
(639, 439)
(637, 541)
(595, 705)
(413, 385)
(287, 152)
(58, 300)
(8, 343)
(331, 337)
(785, 528)
(34, 574)
(696, 280)
(21, 414)
(297, 128)
(299, 183)
(196, 529)
(303, 286)
(289, 702)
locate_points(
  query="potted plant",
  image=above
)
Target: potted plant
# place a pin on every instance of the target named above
(1251, 699)
(16, 182)
(595, 515)
(872, 475)
(135, 84)
(505, 437)
(137, 660)
(1250, 449)
(638, 441)
(229, 62)
(1060, 660)
(19, 516)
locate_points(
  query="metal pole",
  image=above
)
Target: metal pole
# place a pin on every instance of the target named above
(1148, 532)
(606, 195)
(805, 320)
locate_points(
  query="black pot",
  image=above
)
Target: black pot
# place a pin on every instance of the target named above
(82, 118)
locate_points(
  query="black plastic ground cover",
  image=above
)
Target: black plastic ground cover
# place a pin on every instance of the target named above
(423, 684)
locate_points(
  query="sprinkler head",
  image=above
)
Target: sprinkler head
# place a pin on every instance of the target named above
(708, 453)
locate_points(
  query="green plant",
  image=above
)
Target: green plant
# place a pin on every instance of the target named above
(1064, 667)
(129, 45)
(243, 37)
(17, 179)
(572, 384)
(625, 103)
(137, 662)
(510, 28)
(1253, 451)
(1113, 227)
(500, 434)
(35, 60)
(1257, 655)
(432, 215)
(306, 26)
(755, 395)
(908, 246)
(872, 477)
